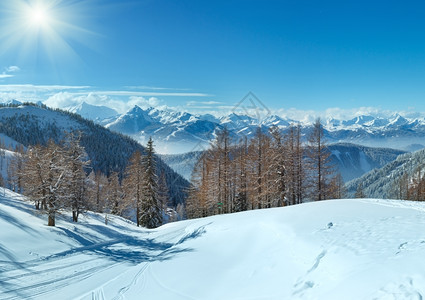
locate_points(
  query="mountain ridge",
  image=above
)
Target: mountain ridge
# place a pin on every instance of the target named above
(189, 132)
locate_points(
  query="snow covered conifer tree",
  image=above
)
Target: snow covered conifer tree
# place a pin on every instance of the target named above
(151, 216)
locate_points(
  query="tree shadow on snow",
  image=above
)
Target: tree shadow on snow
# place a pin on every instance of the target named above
(19, 205)
(16, 222)
(123, 248)
(12, 261)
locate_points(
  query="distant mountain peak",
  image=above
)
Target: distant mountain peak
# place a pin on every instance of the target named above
(93, 112)
(11, 102)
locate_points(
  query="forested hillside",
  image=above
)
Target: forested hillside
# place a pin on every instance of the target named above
(393, 180)
(352, 161)
(107, 151)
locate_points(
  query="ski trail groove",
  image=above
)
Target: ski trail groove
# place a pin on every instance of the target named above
(134, 281)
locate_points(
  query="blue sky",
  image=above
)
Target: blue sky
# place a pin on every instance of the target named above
(300, 55)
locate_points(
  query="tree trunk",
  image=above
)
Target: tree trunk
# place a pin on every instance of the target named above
(75, 216)
(51, 220)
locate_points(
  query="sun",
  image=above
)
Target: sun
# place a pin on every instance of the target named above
(39, 16)
(47, 32)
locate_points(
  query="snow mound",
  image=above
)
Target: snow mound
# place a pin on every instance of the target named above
(341, 249)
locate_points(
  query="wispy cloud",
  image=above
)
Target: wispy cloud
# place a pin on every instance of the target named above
(68, 99)
(146, 94)
(8, 70)
(203, 103)
(84, 90)
(156, 88)
(63, 96)
(38, 88)
(12, 69)
(216, 108)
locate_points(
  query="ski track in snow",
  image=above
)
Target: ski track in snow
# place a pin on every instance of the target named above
(98, 294)
(135, 280)
(404, 290)
(304, 283)
(65, 269)
(139, 278)
(42, 276)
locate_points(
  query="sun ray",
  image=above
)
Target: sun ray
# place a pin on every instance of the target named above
(46, 30)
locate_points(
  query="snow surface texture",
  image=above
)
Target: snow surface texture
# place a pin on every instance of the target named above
(341, 249)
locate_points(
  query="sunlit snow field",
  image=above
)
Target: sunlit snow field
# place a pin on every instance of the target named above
(340, 249)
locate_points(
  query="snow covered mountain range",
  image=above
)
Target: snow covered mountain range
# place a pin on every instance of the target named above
(180, 132)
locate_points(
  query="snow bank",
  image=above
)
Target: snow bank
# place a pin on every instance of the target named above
(341, 249)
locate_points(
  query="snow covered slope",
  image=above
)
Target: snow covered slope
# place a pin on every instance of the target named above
(341, 249)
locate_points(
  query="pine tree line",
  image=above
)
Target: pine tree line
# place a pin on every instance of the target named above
(270, 170)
